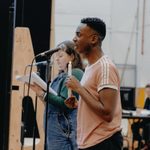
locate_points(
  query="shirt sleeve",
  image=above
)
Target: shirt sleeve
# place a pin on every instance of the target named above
(147, 104)
(109, 77)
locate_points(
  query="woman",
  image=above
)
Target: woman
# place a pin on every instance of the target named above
(61, 119)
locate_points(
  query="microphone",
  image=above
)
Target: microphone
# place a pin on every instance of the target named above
(41, 63)
(51, 51)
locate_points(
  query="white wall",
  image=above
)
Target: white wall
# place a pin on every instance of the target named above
(121, 42)
(143, 61)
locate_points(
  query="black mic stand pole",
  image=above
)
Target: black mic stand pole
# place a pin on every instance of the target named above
(48, 80)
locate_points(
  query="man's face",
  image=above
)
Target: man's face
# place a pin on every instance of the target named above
(83, 39)
(147, 90)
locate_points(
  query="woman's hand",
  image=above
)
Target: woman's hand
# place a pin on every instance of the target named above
(37, 89)
(71, 102)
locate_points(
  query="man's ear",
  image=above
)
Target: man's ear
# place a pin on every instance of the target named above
(94, 39)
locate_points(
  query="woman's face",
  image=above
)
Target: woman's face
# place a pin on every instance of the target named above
(63, 59)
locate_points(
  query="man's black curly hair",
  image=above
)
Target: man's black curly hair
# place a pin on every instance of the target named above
(96, 24)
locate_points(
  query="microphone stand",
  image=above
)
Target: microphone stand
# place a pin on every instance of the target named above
(27, 101)
(47, 54)
(48, 80)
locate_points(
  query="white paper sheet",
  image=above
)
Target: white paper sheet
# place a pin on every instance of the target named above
(37, 79)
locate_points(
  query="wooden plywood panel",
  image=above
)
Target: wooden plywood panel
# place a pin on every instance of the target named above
(23, 55)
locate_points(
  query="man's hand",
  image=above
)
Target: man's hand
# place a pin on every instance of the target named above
(73, 83)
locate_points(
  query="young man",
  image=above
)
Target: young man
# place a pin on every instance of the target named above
(99, 107)
(144, 139)
(145, 124)
(147, 101)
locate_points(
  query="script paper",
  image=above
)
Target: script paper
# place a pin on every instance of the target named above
(35, 79)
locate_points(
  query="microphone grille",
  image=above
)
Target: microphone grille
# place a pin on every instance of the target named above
(62, 47)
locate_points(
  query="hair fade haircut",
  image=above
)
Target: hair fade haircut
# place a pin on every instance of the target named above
(96, 24)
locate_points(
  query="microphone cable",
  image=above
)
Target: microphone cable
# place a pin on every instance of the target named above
(25, 109)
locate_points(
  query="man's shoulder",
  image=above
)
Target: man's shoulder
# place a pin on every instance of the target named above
(105, 61)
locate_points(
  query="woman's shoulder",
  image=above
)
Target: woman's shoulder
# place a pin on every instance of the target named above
(78, 73)
(77, 70)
